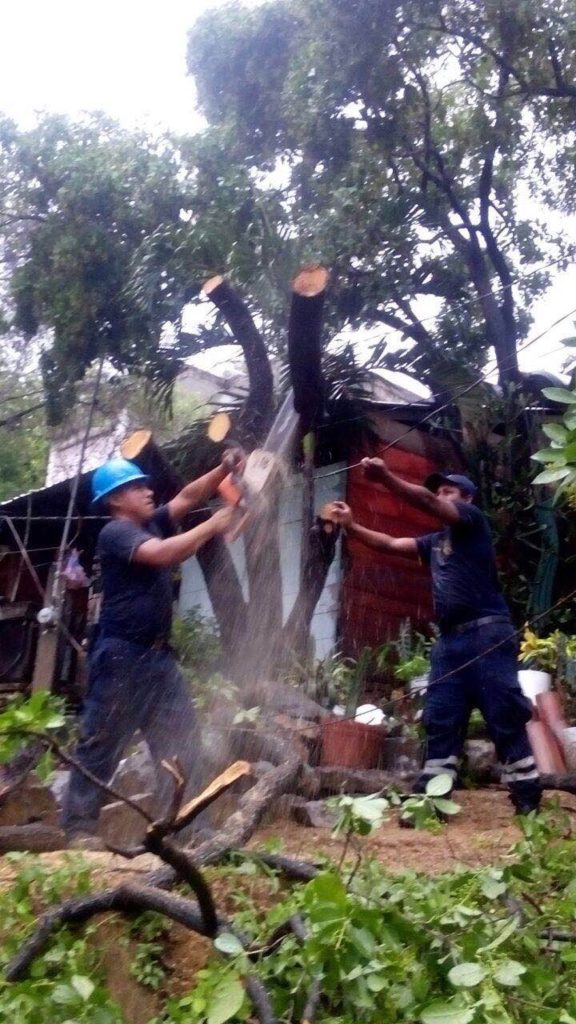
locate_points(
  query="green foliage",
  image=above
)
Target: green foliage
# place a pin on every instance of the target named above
(360, 815)
(451, 949)
(559, 458)
(66, 984)
(412, 650)
(404, 138)
(42, 713)
(196, 642)
(426, 810)
(80, 203)
(148, 967)
(24, 445)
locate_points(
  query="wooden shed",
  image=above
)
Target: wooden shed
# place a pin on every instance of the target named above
(380, 591)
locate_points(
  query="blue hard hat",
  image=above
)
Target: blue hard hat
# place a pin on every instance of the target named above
(464, 483)
(113, 474)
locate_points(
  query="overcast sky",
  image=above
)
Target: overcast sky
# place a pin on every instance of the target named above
(127, 58)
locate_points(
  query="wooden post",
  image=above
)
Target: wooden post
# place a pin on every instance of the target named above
(46, 650)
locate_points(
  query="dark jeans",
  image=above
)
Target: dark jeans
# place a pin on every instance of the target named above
(490, 684)
(131, 687)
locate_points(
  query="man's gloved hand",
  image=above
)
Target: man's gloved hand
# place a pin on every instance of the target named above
(340, 513)
(234, 460)
(375, 469)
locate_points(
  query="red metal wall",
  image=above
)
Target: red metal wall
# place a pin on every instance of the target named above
(380, 591)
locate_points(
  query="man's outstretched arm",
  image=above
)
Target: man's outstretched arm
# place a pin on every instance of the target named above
(416, 495)
(342, 514)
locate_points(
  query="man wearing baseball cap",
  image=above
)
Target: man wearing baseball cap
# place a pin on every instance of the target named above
(474, 662)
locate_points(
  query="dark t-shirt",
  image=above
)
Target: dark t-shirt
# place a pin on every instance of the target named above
(464, 577)
(137, 599)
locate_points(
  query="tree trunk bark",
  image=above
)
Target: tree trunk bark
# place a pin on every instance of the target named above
(257, 413)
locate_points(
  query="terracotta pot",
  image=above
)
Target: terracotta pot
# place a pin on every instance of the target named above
(550, 711)
(547, 754)
(350, 744)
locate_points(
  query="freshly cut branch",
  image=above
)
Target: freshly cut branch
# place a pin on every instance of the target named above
(258, 410)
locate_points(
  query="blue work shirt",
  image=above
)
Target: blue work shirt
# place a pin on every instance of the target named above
(137, 599)
(464, 576)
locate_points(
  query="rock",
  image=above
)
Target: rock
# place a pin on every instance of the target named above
(36, 837)
(120, 825)
(29, 801)
(401, 754)
(315, 781)
(481, 760)
(314, 814)
(135, 773)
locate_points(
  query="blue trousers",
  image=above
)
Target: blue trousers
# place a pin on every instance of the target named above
(131, 687)
(490, 684)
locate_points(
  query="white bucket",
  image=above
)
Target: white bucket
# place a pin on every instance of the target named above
(418, 686)
(369, 714)
(533, 682)
(570, 748)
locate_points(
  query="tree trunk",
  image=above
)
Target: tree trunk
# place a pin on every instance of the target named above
(257, 412)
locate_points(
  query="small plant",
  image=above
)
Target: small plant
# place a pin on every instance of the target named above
(549, 653)
(149, 930)
(41, 714)
(413, 653)
(426, 810)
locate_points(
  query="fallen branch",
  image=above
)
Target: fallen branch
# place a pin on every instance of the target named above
(128, 898)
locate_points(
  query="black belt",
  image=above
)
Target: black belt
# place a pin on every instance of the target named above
(486, 620)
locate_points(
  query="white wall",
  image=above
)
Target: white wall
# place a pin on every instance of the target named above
(193, 590)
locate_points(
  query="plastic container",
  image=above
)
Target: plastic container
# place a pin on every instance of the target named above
(418, 686)
(349, 744)
(533, 682)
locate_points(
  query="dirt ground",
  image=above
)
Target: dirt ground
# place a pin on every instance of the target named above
(483, 833)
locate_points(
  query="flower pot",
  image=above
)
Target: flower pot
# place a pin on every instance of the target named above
(533, 682)
(350, 744)
(550, 711)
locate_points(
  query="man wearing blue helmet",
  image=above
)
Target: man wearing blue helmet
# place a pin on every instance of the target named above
(134, 680)
(474, 662)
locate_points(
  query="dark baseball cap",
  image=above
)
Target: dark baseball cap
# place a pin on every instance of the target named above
(464, 483)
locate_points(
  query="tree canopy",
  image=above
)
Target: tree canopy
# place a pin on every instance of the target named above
(422, 146)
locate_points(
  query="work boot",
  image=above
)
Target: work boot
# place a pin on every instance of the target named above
(85, 841)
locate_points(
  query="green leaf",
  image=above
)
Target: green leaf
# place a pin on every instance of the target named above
(560, 395)
(466, 975)
(440, 785)
(228, 943)
(83, 986)
(509, 973)
(446, 806)
(445, 1013)
(550, 476)
(556, 432)
(226, 1001)
(547, 455)
(492, 889)
(509, 928)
